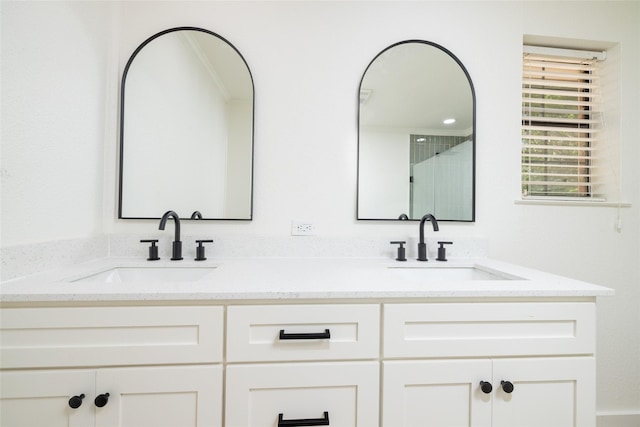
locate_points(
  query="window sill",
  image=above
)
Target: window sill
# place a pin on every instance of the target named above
(567, 202)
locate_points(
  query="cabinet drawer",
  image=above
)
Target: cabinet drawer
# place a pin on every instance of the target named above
(302, 332)
(108, 336)
(488, 329)
(261, 395)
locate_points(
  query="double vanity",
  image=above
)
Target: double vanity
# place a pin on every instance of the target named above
(265, 341)
(293, 342)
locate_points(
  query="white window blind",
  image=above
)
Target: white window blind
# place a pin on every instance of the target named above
(560, 123)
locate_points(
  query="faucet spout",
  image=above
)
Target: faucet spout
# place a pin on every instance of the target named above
(176, 253)
(422, 246)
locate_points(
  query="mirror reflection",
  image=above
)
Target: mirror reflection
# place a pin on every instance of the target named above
(416, 135)
(186, 128)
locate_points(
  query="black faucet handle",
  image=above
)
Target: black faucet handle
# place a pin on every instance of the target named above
(442, 251)
(401, 250)
(200, 250)
(153, 249)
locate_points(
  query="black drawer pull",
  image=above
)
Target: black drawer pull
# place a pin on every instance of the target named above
(306, 336)
(324, 421)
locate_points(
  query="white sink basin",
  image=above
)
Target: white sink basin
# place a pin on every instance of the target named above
(425, 274)
(148, 274)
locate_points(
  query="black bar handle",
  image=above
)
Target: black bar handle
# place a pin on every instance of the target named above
(324, 421)
(305, 336)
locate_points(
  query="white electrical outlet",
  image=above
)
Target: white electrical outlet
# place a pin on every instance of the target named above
(302, 228)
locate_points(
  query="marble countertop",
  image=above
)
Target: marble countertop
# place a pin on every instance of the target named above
(296, 279)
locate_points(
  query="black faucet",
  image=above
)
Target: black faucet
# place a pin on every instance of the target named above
(422, 246)
(176, 253)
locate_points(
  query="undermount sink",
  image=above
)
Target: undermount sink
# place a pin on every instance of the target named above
(148, 274)
(456, 273)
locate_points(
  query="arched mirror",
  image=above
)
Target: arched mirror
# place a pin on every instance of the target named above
(416, 135)
(186, 130)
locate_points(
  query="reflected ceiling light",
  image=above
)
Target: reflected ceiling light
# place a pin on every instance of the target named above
(449, 121)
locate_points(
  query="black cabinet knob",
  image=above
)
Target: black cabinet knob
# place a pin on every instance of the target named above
(76, 401)
(101, 400)
(507, 386)
(486, 387)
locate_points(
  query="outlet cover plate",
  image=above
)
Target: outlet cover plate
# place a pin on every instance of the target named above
(303, 228)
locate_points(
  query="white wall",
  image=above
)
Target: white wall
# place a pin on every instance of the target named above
(307, 59)
(54, 65)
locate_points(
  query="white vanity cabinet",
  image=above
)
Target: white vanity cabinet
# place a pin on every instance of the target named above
(322, 368)
(111, 366)
(499, 362)
(489, 364)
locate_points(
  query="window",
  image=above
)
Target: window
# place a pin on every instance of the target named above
(561, 111)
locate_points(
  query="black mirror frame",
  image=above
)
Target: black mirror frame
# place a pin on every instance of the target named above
(122, 96)
(473, 98)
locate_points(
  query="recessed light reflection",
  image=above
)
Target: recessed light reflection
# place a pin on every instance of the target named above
(449, 121)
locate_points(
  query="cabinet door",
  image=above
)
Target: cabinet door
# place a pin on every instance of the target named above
(41, 398)
(436, 393)
(550, 392)
(186, 396)
(338, 394)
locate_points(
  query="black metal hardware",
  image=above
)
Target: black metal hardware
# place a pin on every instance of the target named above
(176, 249)
(442, 251)
(422, 246)
(200, 250)
(401, 250)
(507, 386)
(486, 387)
(305, 336)
(101, 400)
(196, 215)
(153, 249)
(324, 421)
(76, 401)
